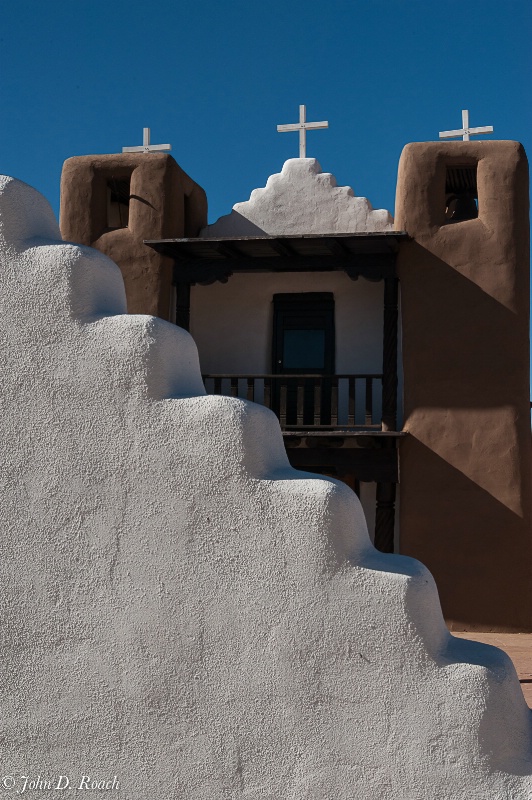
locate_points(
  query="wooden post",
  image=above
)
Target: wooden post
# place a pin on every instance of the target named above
(182, 309)
(389, 355)
(385, 517)
(385, 512)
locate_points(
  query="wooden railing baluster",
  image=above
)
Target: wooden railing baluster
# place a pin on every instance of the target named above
(369, 400)
(351, 402)
(282, 405)
(334, 401)
(267, 392)
(317, 402)
(298, 400)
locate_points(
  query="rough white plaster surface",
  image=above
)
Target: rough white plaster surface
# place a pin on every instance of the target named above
(183, 610)
(301, 199)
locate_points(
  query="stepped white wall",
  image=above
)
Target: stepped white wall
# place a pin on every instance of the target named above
(181, 608)
(301, 199)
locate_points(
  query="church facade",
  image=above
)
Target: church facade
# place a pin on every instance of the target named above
(395, 354)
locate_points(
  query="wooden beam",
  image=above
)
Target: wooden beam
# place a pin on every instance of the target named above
(228, 250)
(282, 248)
(372, 266)
(182, 309)
(337, 247)
(368, 465)
(389, 354)
(385, 517)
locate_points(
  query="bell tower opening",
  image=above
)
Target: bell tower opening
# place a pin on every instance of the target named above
(118, 194)
(461, 194)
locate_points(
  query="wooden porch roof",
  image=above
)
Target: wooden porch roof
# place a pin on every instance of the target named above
(371, 255)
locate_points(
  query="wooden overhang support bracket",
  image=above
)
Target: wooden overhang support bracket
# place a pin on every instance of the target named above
(281, 248)
(337, 248)
(200, 271)
(372, 266)
(227, 250)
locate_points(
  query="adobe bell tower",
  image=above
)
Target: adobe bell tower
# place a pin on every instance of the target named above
(466, 464)
(115, 202)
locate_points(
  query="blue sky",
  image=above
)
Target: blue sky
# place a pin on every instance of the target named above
(215, 78)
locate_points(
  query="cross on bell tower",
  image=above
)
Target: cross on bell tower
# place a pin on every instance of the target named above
(146, 147)
(302, 126)
(465, 132)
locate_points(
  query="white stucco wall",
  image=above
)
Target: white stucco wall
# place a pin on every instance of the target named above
(232, 322)
(301, 199)
(183, 610)
(232, 326)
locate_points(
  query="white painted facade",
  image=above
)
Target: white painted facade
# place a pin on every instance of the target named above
(182, 609)
(232, 326)
(301, 199)
(232, 323)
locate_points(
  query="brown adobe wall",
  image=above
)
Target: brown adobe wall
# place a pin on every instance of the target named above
(465, 468)
(165, 203)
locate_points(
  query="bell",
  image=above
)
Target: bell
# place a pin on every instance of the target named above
(463, 207)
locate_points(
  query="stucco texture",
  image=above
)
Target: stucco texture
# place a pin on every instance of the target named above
(182, 609)
(301, 199)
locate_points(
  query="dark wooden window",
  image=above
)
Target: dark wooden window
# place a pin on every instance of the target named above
(461, 195)
(303, 333)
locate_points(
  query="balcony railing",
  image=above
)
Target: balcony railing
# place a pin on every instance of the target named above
(309, 401)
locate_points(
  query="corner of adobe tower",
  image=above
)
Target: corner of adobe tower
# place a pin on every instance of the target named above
(465, 466)
(115, 202)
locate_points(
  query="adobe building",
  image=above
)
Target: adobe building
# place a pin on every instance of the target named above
(465, 464)
(114, 202)
(183, 614)
(293, 300)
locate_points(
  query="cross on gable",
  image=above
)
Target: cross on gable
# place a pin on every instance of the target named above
(146, 147)
(465, 132)
(302, 126)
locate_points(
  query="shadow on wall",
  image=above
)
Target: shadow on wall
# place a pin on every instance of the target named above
(462, 581)
(465, 314)
(233, 224)
(465, 381)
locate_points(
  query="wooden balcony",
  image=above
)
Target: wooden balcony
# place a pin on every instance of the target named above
(334, 425)
(310, 402)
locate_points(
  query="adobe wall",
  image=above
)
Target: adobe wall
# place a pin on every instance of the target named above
(185, 616)
(165, 203)
(465, 467)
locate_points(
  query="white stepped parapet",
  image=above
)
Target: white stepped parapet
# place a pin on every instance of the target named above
(181, 608)
(301, 199)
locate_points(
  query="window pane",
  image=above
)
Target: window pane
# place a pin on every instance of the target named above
(304, 349)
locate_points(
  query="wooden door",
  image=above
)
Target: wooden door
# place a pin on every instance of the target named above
(303, 345)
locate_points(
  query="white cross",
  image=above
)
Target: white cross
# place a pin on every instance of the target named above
(302, 126)
(466, 131)
(146, 147)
